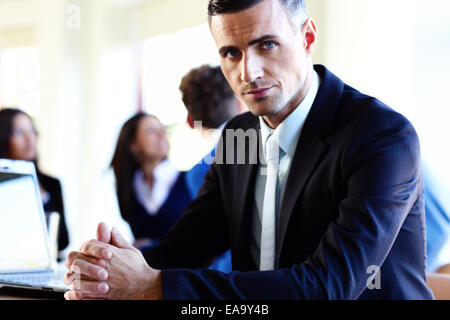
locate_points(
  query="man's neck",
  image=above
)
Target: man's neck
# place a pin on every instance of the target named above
(276, 119)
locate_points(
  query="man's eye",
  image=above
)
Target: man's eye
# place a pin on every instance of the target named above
(232, 53)
(269, 45)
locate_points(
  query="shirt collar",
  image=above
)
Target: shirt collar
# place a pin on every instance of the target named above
(165, 170)
(162, 172)
(289, 130)
(165, 175)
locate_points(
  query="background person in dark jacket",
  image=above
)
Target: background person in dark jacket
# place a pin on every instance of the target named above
(151, 192)
(18, 141)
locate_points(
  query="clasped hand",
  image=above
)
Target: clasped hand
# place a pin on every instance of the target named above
(110, 268)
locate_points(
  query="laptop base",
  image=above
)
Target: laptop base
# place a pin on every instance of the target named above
(18, 293)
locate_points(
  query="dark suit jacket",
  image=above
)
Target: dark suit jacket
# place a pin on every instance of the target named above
(55, 204)
(353, 202)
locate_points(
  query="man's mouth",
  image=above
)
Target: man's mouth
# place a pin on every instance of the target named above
(258, 93)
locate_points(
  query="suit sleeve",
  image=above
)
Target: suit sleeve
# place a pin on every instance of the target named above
(381, 167)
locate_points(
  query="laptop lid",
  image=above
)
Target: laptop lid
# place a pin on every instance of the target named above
(24, 239)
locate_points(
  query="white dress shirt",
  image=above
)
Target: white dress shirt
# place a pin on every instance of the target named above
(165, 175)
(288, 134)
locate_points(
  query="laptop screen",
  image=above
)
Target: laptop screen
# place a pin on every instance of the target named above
(23, 242)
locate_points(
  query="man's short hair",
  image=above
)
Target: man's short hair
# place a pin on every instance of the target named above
(296, 9)
(208, 97)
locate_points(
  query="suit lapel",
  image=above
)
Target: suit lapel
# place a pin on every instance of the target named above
(310, 148)
(243, 204)
(307, 155)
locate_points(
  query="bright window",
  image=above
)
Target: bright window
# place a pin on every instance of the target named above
(166, 59)
(19, 78)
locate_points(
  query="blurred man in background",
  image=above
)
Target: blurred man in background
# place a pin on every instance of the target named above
(210, 103)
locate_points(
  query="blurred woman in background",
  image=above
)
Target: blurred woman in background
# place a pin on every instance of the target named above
(18, 141)
(151, 192)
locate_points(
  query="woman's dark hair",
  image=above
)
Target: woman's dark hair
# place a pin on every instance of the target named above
(7, 116)
(296, 9)
(6, 128)
(125, 165)
(208, 97)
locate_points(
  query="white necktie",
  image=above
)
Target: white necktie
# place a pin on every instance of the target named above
(267, 254)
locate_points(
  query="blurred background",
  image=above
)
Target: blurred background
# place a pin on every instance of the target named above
(80, 68)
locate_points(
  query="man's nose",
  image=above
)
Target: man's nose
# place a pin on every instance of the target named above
(251, 68)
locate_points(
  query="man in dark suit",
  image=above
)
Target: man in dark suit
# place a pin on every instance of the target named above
(318, 191)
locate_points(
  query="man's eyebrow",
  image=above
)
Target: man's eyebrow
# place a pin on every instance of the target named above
(225, 49)
(261, 39)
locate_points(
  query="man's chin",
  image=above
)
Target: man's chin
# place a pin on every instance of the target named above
(262, 111)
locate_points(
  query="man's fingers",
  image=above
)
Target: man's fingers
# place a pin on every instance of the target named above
(103, 233)
(74, 255)
(119, 241)
(83, 267)
(87, 289)
(71, 295)
(70, 277)
(97, 249)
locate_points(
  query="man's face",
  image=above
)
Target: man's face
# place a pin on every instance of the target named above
(265, 60)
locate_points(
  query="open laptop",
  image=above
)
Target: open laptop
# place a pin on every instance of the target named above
(27, 257)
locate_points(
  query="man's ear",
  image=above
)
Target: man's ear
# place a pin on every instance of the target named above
(309, 31)
(190, 122)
